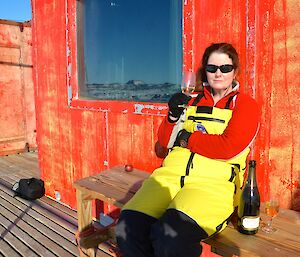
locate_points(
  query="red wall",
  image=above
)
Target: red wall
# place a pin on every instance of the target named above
(78, 138)
(17, 111)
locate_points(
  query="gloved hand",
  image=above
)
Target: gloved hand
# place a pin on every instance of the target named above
(175, 106)
(182, 138)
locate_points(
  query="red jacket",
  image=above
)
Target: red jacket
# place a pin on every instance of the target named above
(239, 133)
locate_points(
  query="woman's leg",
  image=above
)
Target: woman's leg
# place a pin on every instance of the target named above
(177, 235)
(148, 205)
(138, 215)
(132, 233)
(197, 211)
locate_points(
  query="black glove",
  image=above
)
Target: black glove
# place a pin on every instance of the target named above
(176, 103)
(182, 138)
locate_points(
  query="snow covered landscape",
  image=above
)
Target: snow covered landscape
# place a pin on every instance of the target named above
(133, 90)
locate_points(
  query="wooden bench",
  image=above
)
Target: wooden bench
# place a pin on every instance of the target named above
(115, 186)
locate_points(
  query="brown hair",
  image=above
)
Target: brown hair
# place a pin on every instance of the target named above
(225, 48)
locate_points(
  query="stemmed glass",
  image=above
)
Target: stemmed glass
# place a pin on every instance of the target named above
(188, 83)
(271, 209)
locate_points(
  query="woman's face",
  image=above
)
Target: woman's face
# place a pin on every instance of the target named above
(217, 80)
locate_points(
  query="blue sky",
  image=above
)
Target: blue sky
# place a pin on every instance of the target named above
(16, 10)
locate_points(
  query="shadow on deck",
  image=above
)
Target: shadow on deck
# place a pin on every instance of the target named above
(33, 228)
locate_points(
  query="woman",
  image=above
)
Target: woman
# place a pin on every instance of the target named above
(192, 196)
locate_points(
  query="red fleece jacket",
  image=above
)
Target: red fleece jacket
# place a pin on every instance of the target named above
(238, 134)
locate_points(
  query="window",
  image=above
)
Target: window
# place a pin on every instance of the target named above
(129, 49)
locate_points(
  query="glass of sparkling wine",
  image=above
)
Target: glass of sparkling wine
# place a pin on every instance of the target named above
(271, 209)
(188, 83)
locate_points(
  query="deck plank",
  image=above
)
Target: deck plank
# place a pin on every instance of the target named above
(25, 237)
(53, 213)
(43, 227)
(21, 162)
(6, 249)
(40, 211)
(44, 234)
(12, 246)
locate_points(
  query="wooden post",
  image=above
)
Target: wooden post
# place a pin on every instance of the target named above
(84, 213)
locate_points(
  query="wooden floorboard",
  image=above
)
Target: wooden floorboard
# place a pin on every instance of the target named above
(38, 230)
(11, 245)
(43, 227)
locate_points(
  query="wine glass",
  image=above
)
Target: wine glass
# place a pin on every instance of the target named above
(188, 83)
(271, 210)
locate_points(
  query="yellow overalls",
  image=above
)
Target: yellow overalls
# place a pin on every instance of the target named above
(204, 189)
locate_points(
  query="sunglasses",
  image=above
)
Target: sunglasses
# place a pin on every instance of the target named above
(225, 68)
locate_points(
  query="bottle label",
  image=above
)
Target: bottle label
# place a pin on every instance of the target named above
(250, 222)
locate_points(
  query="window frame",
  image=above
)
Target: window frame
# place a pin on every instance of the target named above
(119, 106)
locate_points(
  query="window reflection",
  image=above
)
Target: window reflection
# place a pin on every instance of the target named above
(131, 49)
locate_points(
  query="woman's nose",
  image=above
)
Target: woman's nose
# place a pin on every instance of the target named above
(218, 73)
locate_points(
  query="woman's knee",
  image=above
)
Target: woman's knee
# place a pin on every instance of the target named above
(132, 233)
(176, 234)
(134, 223)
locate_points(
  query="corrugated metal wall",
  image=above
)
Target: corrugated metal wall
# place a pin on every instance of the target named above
(88, 136)
(17, 110)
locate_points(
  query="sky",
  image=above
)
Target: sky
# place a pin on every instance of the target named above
(15, 10)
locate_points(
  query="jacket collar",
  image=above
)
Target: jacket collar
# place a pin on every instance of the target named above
(208, 90)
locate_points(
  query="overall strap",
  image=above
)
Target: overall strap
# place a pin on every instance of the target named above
(230, 100)
(197, 99)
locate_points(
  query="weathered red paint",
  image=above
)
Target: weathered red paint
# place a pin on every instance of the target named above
(78, 138)
(278, 90)
(17, 115)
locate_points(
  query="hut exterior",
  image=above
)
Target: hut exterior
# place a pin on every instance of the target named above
(79, 134)
(17, 109)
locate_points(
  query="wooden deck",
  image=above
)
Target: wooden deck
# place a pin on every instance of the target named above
(33, 228)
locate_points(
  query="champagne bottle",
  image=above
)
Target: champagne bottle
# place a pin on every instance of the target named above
(248, 209)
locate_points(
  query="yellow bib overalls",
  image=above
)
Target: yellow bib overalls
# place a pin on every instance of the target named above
(204, 189)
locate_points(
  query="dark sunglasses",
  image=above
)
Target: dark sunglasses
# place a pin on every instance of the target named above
(223, 68)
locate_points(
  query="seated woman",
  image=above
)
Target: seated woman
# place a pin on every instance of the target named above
(192, 196)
